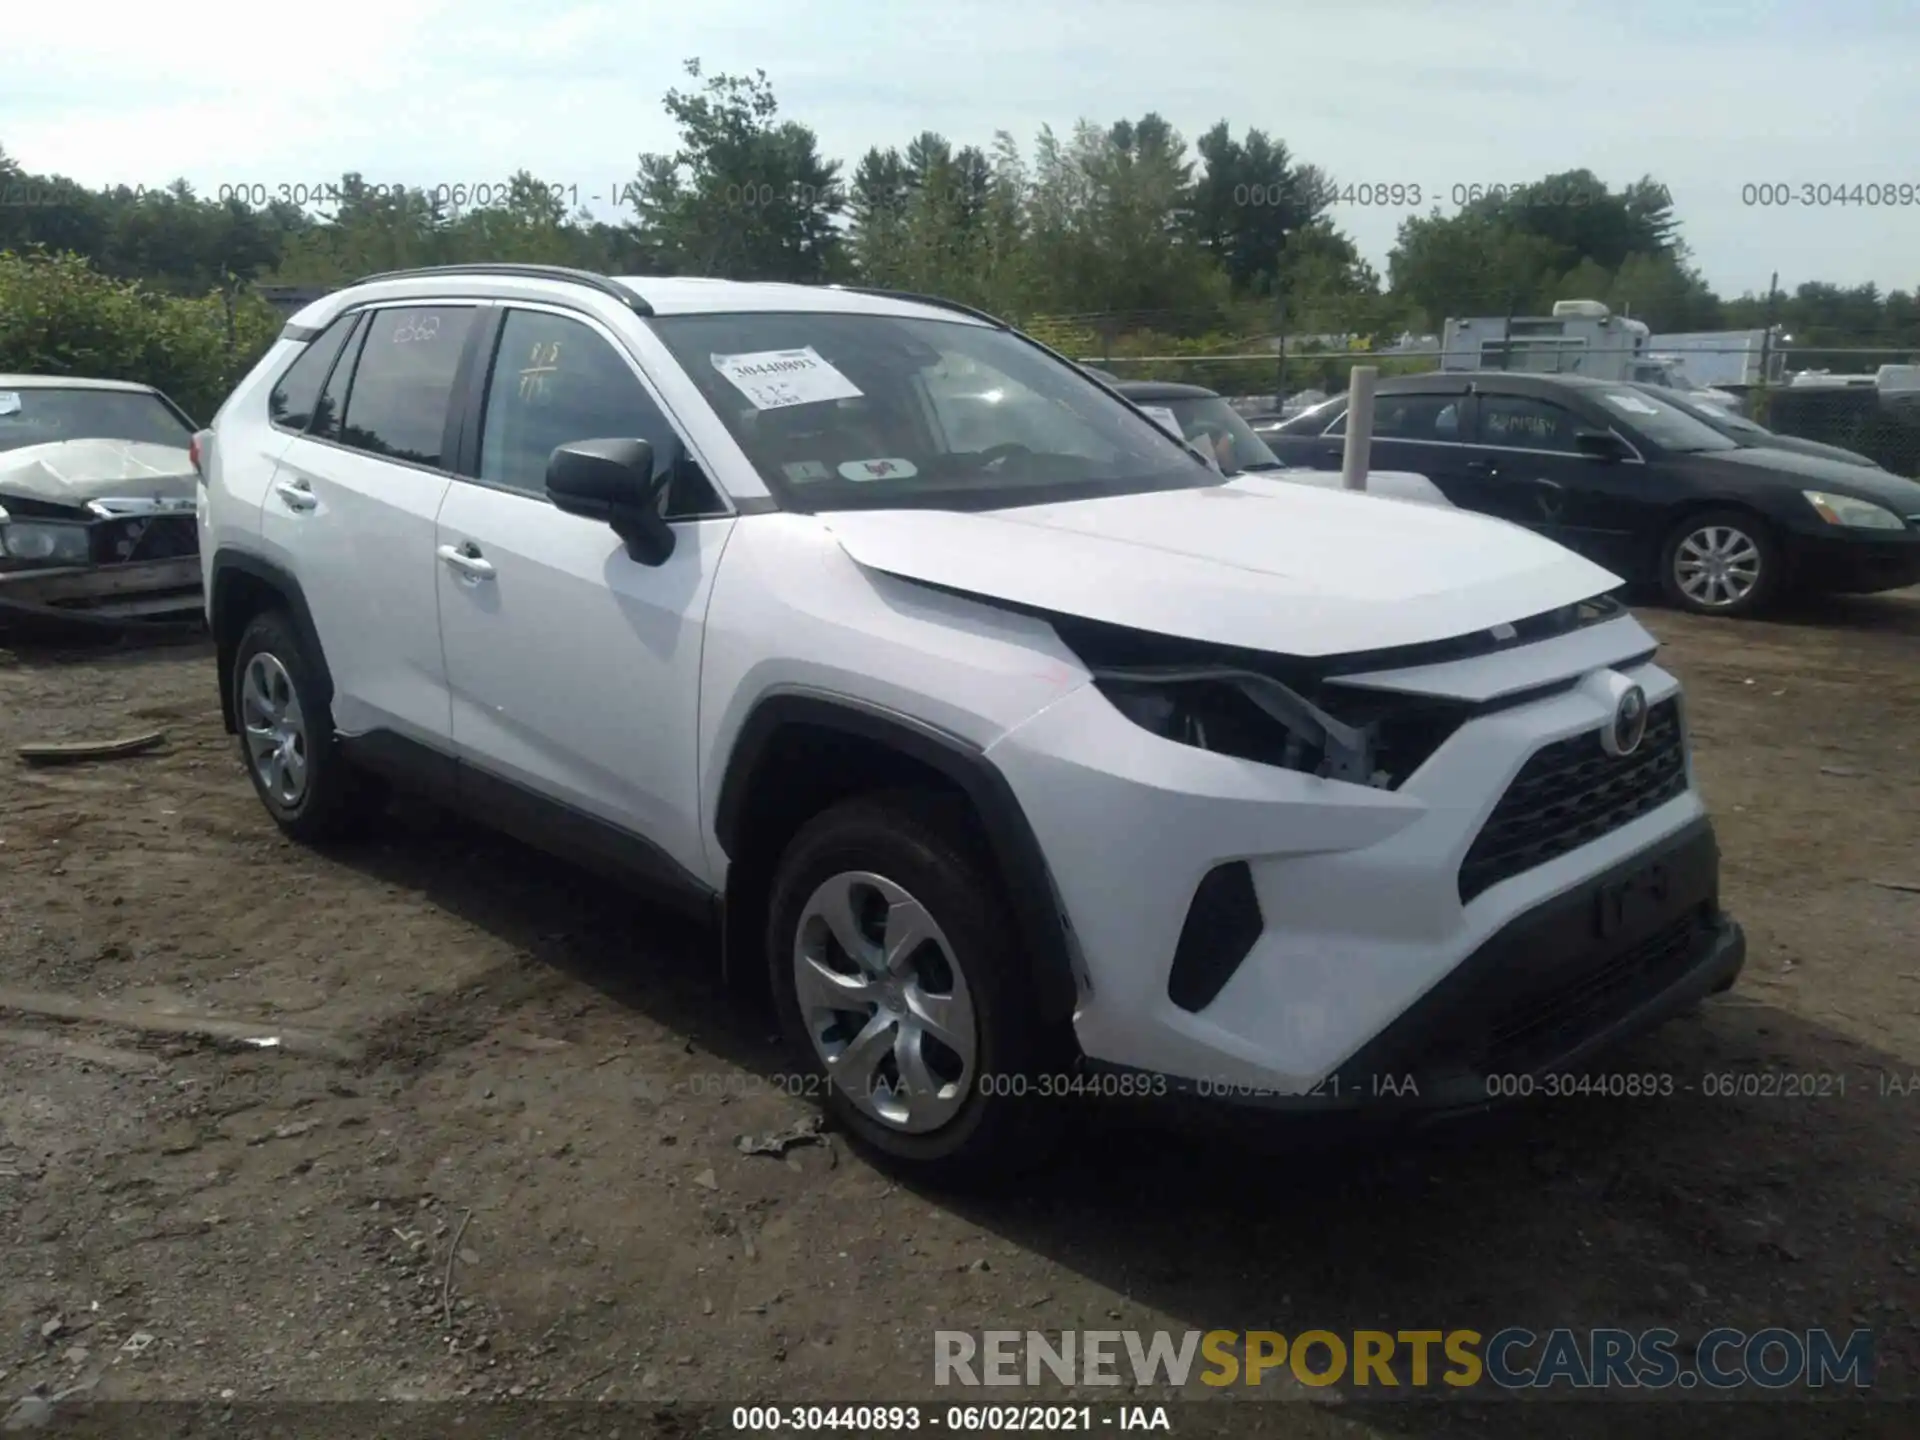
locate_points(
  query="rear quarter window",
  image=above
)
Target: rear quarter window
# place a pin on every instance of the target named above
(291, 402)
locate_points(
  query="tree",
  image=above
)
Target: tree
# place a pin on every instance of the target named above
(744, 197)
(1106, 225)
(1469, 264)
(1249, 200)
(1582, 219)
(877, 208)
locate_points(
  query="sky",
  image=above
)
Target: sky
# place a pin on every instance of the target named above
(1710, 98)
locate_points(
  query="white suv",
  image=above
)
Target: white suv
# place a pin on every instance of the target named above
(1019, 753)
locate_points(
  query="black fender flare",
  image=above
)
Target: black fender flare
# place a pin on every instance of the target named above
(229, 564)
(1010, 838)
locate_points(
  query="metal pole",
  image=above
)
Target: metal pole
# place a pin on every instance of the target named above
(1353, 467)
(1280, 370)
(1766, 336)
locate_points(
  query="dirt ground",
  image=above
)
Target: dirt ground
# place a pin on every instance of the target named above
(494, 1151)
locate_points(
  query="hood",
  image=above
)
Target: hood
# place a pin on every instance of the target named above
(1263, 565)
(1799, 471)
(1818, 449)
(1387, 484)
(72, 472)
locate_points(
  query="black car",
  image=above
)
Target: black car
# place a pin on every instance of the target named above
(1205, 420)
(1635, 482)
(1751, 432)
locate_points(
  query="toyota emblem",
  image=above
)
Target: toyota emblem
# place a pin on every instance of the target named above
(1629, 725)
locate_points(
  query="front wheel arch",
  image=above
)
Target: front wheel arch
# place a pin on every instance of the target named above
(756, 814)
(244, 586)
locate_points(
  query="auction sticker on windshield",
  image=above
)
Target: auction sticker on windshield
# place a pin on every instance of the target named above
(9, 402)
(1164, 418)
(775, 379)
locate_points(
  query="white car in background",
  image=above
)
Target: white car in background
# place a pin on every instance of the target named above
(97, 488)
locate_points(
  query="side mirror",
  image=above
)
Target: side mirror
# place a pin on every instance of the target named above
(616, 482)
(1600, 444)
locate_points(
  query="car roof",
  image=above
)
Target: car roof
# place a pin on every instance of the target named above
(70, 382)
(1164, 390)
(647, 294)
(698, 295)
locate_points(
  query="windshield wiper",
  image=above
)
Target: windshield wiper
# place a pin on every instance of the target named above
(1262, 465)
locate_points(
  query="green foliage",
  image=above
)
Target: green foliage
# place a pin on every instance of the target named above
(743, 197)
(59, 316)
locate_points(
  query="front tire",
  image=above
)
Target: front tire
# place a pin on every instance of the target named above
(287, 742)
(903, 990)
(1723, 562)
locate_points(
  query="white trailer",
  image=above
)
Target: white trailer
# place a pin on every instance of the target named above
(1580, 338)
(1739, 358)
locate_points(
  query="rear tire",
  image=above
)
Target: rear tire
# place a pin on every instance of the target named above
(313, 792)
(938, 1061)
(1723, 562)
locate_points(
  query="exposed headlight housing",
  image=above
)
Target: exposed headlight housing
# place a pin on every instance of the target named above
(1851, 513)
(1377, 739)
(44, 542)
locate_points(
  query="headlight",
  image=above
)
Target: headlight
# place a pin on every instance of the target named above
(1244, 714)
(1854, 514)
(45, 543)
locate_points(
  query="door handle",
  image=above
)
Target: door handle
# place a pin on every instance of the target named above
(1482, 467)
(297, 495)
(466, 559)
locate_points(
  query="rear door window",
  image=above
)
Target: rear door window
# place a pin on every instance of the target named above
(1520, 422)
(1416, 417)
(401, 388)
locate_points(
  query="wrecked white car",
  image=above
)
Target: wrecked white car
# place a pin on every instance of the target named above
(97, 488)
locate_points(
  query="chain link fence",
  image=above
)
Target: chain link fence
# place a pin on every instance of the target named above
(1864, 399)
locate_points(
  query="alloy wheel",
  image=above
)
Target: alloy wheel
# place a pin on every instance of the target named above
(1717, 566)
(276, 729)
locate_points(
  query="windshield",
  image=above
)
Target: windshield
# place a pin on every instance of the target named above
(1217, 426)
(1316, 417)
(841, 411)
(1664, 423)
(43, 414)
(1722, 420)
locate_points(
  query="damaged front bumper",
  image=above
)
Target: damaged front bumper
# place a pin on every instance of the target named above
(1252, 929)
(1556, 989)
(122, 561)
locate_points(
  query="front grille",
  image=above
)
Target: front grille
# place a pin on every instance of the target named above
(129, 539)
(1571, 793)
(1537, 1027)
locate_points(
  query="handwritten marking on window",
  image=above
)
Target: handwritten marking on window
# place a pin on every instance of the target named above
(543, 360)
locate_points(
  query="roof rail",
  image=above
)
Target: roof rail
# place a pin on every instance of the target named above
(937, 301)
(604, 284)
